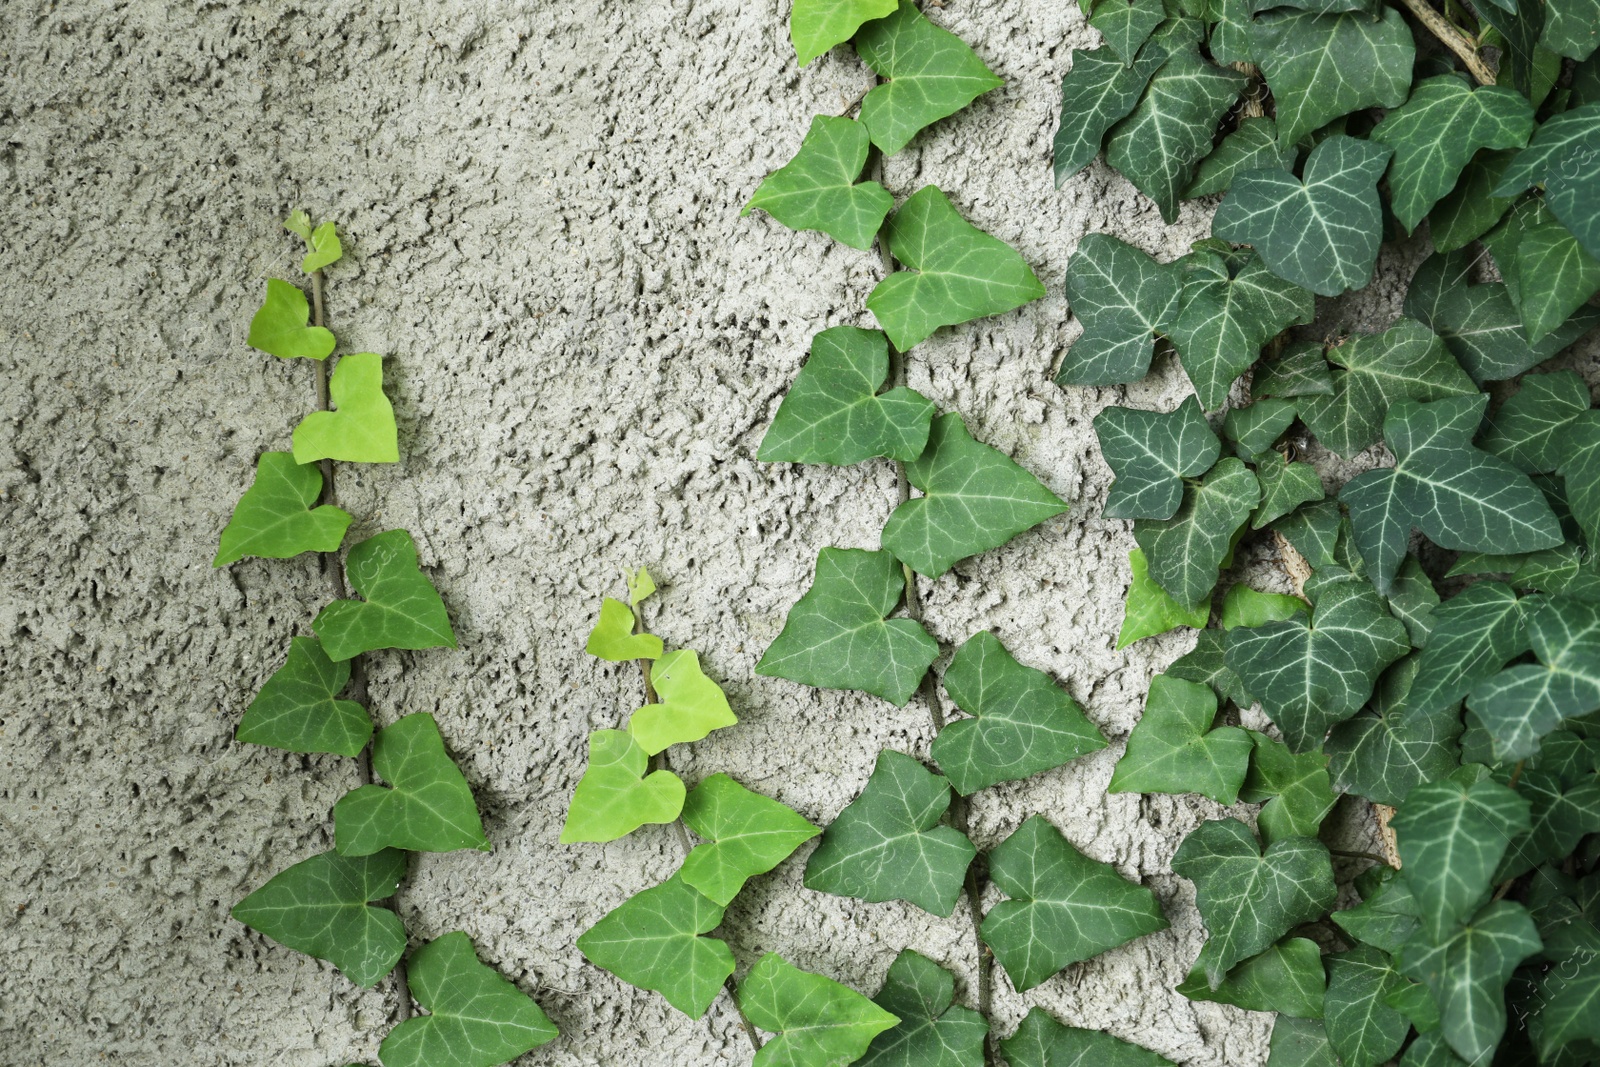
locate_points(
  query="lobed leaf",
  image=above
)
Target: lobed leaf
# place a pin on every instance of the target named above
(1294, 790)
(1123, 298)
(928, 74)
(1530, 243)
(652, 940)
(817, 25)
(297, 709)
(1185, 552)
(362, 428)
(1387, 916)
(690, 705)
(1469, 210)
(1042, 1042)
(615, 796)
(819, 189)
(613, 638)
(817, 1020)
(1150, 610)
(1580, 473)
(1284, 487)
(934, 1031)
(1475, 633)
(280, 327)
(1176, 746)
(1256, 427)
(1097, 92)
(1253, 146)
(1287, 978)
(1151, 452)
(1363, 1030)
(1320, 67)
(1300, 1043)
(745, 833)
(1127, 24)
(276, 517)
(428, 805)
(400, 609)
(1522, 704)
(1531, 429)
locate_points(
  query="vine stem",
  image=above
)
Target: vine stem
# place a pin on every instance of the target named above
(333, 566)
(1452, 38)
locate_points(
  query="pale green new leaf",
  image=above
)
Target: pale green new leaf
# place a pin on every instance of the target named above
(690, 705)
(401, 608)
(613, 638)
(1023, 722)
(1151, 452)
(427, 805)
(1186, 552)
(323, 242)
(1175, 749)
(819, 1022)
(1150, 610)
(837, 637)
(1064, 906)
(279, 327)
(973, 499)
(834, 412)
(957, 272)
(641, 586)
(1532, 428)
(1042, 1042)
(1521, 704)
(652, 940)
(1320, 67)
(1294, 790)
(1253, 146)
(476, 1018)
(319, 907)
(276, 519)
(928, 73)
(362, 429)
(1363, 1030)
(817, 25)
(1243, 606)
(1123, 298)
(934, 1031)
(1475, 633)
(298, 710)
(1287, 978)
(1097, 92)
(1466, 970)
(745, 833)
(615, 796)
(1127, 24)
(819, 189)
(886, 844)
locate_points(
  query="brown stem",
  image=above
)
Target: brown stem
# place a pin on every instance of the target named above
(1452, 38)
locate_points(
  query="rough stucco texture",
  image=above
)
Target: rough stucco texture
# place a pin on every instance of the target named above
(585, 342)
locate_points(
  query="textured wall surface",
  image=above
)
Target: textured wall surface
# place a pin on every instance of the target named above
(585, 343)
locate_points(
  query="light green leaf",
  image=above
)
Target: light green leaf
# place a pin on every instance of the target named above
(1243, 606)
(818, 1021)
(652, 940)
(297, 709)
(1320, 67)
(1436, 132)
(1123, 298)
(885, 845)
(1580, 472)
(1406, 361)
(1468, 211)
(1299, 371)
(299, 223)
(1300, 1043)
(1042, 1042)
(1249, 899)
(819, 189)
(690, 706)
(1252, 146)
(1175, 749)
(1461, 497)
(641, 586)
(1186, 552)
(401, 609)
(1467, 970)
(1286, 978)
(1095, 93)
(1151, 452)
(745, 833)
(279, 327)
(427, 806)
(1530, 243)
(1284, 487)
(1231, 306)
(319, 907)
(1294, 790)
(1521, 704)
(1475, 633)
(1023, 722)
(615, 796)
(275, 519)
(1310, 675)
(1363, 1030)
(933, 1031)
(836, 636)
(1127, 24)
(1387, 915)
(1322, 233)
(957, 272)
(973, 499)
(362, 430)
(323, 242)
(928, 73)
(1531, 428)
(817, 25)
(1064, 906)
(613, 638)
(834, 412)
(477, 1018)
(1255, 427)
(1149, 610)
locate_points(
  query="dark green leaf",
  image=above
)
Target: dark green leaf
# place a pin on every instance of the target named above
(819, 189)
(1363, 1030)
(298, 710)
(1561, 817)
(427, 807)
(1474, 634)
(817, 25)
(276, 519)
(1571, 27)
(1412, 599)
(928, 73)
(1387, 915)
(279, 327)
(1320, 67)
(1294, 789)
(1095, 93)
(1252, 146)
(1175, 749)
(1468, 211)
(817, 1020)
(1521, 704)
(1531, 428)
(1531, 244)
(1284, 487)
(1314, 532)
(1286, 978)
(1149, 610)
(1580, 470)
(1451, 835)
(1255, 427)
(1151, 452)
(1042, 1042)
(1569, 1004)
(1384, 756)
(615, 796)
(1123, 298)
(1127, 24)
(1299, 371)
(401, 609)
(1186, 551)
(745, 833)
(653, 941)
(1207, 665)
(933, 1031)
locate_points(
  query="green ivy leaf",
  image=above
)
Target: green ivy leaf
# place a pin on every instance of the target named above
(1569, 998)
(817, 25)
(276, 519)
(1436, 132)
(1570, 28)
(1232, 305)
(929, 73)
(1363, 1030)
(428, 805)
(362, 430)
(1151, 452)
(615, 796)
(1149, 610)
(1323, 233)
(1299, 371)
(1461, 497)
(323, 243)
(1127, 24)
(1475, 633)
(934, 1031)
(973, 499)
(1254, 428)
(1560, 817)
(653, 941)
(957, 272)
(1407, 361)
(1387, 915)
(1412, 599)
(1320, 67)
(817, 1020)
(1294, 790)
(1123, 298)
(1468, 211)
(1314, 532)
(641, 586)
(477, 1018)
(1530, 430)
(613, 638)
(1175, 749)
(1065, 907)
(319, 907)
(1042, 1042)
(1284, 487)
(836, 636)
(401, 609)
(297, 709)
(1253, 146)
(279, 327)
(1097, 92)
(1207, 665)
(819, 189)
(1562, 158)
(1467, 970)
(690, 707)
(1249, 899)
(1530, 243)
(885, 845)
(1383, 753)
(1286, 978)
(834, 412)
(1023, 722)
(1580, 471)
(1243, 606)
(1521, 704)
(1300, 1043)
(1186, 551)
(745, 833)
